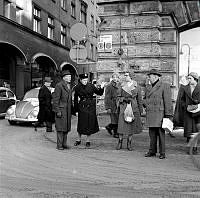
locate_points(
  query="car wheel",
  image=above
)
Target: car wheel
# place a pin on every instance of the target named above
(11, 122)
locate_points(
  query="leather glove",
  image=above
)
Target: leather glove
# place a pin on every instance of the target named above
(59, 114)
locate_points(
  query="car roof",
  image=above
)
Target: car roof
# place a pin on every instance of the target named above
(5, 88)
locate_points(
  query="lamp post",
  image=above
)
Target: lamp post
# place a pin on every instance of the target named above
(189, 49)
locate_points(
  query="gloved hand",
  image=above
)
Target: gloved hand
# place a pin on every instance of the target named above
(59, 114)
(108, 110)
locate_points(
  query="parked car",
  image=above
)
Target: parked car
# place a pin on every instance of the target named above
(7, 98)
(25, 110)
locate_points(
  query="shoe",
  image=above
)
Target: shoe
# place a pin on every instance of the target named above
(109, 130)
(119, 145)
(116, 135)
(150, 154)
(78, 142)
(162, 156)
(66, 147)
(171, 135)
(129, 147)
(60, 148)
(194, 151)
(87, 145)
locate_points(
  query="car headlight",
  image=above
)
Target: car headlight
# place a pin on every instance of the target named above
(10, 110)
(35, 113)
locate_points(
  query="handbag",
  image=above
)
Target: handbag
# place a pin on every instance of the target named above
(128, 114)
(167, 125)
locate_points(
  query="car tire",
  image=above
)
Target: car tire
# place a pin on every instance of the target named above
(11, 122)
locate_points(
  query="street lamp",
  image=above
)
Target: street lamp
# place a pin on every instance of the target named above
(181, 52)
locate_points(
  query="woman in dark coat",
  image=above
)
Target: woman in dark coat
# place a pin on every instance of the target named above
(45, 105)
(191, 96)
(62, 105)
(85, 105)
(129, 93)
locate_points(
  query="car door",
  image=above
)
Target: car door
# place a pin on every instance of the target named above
(11, 99)
(3, 101)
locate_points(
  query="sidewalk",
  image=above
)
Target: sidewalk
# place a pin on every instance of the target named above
(104, 141)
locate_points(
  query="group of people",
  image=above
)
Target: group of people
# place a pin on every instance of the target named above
(124, 103)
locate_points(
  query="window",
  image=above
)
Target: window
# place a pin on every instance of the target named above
(91, 51)
(3, 94)
(37, 20)
(92, 23)
(83, 13)
(50, 33)
(63, 35)
(63, 4)
(7, 5)
(73, 8)
(19, 15)
(10, 94)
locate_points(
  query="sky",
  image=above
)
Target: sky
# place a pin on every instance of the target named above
(191, 37)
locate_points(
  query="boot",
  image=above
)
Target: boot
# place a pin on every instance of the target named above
(194, 151)
(115, 135)
(109, 128)
(119, 145)
(129, 147)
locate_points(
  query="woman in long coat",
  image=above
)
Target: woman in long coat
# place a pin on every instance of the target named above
(191, 96)
(85, 105)
(62, 105)
(129, 93)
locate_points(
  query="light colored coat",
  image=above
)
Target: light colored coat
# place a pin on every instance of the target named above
(158, 103)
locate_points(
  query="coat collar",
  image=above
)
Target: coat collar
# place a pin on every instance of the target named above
(155, 87)
(195, 92)
(64, 84)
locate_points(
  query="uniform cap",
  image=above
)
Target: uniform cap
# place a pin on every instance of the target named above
(47, 79)
(155, 72)
(82, 76)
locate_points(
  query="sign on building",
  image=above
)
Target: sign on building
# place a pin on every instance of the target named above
(105, 43)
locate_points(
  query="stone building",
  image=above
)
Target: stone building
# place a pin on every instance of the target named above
(35, 39)
(143, 35)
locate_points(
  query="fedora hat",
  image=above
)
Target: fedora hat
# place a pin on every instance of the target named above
(65, 72)
(155, 72)
(47, 79)
(194, 75)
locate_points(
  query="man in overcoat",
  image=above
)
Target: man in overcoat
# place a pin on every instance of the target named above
(158, 104)
(110, 102)
(45, 105)
(62, 105)
(85, 105)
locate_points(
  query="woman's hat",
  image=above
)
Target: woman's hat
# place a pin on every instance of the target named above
(65, 72)
(82, 76)
(194, 75)
(155, 72)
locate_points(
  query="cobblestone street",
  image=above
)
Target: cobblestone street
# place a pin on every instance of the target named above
(32, 167)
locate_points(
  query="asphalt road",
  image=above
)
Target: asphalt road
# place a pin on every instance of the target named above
(30, 166)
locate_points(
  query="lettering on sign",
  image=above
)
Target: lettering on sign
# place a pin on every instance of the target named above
(168, 36)
(167, 50)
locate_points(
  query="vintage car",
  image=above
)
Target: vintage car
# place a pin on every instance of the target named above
(7, 98)
(25, 110)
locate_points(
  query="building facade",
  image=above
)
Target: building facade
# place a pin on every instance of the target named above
(35, 40)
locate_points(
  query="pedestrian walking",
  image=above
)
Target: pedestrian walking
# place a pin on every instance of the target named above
(187, 102)
(158, 104)
(63, 107)
(85, 105)
(110, 102)
(130, 108)
(45, 115)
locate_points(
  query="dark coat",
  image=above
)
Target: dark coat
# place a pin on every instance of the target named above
(135, 98)
(190, 119)
(158, 103)
(110, 100)
(85, 105)
(45, 105)
(62, 102)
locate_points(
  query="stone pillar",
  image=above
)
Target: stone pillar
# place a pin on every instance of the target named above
(20, 81)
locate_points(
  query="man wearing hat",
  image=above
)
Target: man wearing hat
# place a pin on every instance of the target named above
(158, 104)
(45, 105)
(189, 100)
(85, 105)
(62, 105)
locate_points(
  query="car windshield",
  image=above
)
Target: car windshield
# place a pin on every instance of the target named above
(33, 93)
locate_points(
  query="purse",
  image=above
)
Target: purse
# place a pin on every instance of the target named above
(167, 125)
(128, 114)
(193, 108)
